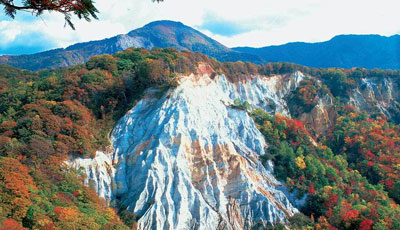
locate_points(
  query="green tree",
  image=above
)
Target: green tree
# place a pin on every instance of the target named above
(81, 8)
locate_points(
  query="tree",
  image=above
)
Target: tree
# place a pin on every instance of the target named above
(311, 188)
(81, 8)
(15, 186)
(366, 224)
(10, 224)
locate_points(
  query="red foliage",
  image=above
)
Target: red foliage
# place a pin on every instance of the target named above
(331, 201)
(10, 224)
(351, 215)
(349, 108)
(76, 193)
(389, 184)
(329, 213)
(366, 224)
(370, 155)
(372, 143)
(311, 189)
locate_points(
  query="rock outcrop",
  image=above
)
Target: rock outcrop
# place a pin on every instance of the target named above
(190, 161)
(379, 95)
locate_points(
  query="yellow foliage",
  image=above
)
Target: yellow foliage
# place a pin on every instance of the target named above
(51, 103)
(109, 214)
(300, 163)
(327, 189)
(43, 220)
(353, 115)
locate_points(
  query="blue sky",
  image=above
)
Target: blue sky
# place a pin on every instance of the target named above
(254, 23)
(220, 26)
(27, 43)
(19, 42)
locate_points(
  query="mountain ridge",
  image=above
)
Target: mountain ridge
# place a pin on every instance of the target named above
(342, 51)
(155, 34)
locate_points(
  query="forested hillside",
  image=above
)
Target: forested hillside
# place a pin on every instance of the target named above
(351, 175)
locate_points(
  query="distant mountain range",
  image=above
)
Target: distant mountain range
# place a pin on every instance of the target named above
(346, 51)
(156, 34)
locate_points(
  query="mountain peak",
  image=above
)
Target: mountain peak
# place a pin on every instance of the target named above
(164, 29)
(167, 23)
(164, 33)
(345, 51)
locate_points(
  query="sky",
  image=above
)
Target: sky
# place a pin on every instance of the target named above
(234, 23)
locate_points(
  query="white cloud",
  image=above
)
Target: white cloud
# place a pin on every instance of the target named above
(271, 21)
(318, 21)
(8, 33)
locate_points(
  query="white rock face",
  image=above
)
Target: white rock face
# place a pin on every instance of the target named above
(100, 173)
(124, 42)
(377, 93)
(189, 161)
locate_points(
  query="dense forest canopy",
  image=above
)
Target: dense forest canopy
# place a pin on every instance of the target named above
(351, 177)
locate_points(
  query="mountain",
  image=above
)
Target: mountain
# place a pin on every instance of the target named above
(204, 155)
(196, 173)
(178, 140)
(343, 51)
(155, 34)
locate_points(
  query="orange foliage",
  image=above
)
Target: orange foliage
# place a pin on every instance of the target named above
(17, 183)
(66, 213)
(6, 125)
(10, 224)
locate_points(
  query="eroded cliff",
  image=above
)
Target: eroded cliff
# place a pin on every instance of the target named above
(190, 160)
